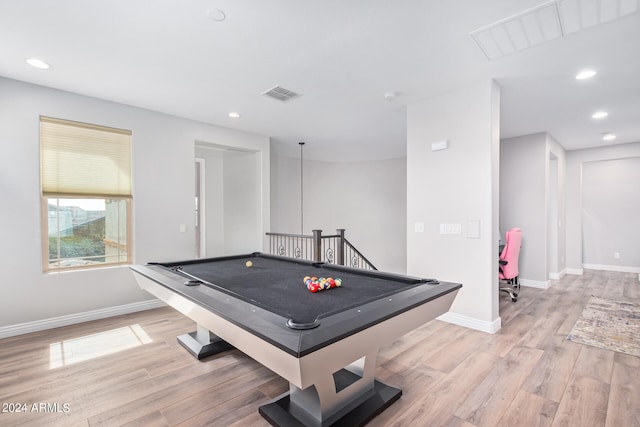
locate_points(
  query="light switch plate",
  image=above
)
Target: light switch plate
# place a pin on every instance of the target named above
(473, 229)
(451, 228)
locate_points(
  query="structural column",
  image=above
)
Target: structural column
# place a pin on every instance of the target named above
(453, 145)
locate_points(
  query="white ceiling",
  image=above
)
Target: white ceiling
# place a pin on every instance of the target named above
(342, 56)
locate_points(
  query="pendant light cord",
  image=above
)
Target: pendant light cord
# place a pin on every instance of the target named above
(301, 190)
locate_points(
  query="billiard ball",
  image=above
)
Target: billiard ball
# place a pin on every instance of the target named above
(248, 263)
(338, 282)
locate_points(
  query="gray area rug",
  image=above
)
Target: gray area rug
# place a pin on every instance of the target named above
(608, 324)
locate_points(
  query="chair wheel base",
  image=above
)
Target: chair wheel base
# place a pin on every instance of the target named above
(513, 294)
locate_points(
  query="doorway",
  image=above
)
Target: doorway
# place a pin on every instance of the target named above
(553, 270)
(199, 216)
(228, 200)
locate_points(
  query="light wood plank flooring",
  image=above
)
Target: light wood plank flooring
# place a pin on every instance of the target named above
(129, 370)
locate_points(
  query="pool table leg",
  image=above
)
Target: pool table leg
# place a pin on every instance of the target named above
(349, 397)
(203, 343)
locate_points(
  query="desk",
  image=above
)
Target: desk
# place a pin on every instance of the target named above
(325, 344)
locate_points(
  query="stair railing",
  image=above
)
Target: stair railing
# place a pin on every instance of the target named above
(332, 249)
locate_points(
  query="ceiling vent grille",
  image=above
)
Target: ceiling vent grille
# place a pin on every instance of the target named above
(548, 21)
(529, 28)
(576, 15)
(281, 94)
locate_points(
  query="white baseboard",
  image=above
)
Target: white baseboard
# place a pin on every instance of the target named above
(540, 284)
(619, 268)
(557, 276)
(472, 323)
(575, 271)
(72, 319)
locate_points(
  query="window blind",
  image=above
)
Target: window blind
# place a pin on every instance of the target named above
(78, 159)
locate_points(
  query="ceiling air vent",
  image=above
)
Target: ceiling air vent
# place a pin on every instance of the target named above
(281, 94)
(548, 21)
(529, 28)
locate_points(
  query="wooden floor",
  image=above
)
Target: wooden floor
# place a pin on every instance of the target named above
(129, 370)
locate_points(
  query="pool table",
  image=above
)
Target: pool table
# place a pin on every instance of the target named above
(325, 344)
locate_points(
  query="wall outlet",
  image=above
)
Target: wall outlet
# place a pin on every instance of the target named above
(616, 255)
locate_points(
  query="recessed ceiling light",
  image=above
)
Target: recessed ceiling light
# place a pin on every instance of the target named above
(608, 136)
(234, 115)
(38, 63)
(599, 115)
(586, 74)
(390, 96)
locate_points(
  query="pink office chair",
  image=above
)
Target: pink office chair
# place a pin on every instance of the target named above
(508, 270)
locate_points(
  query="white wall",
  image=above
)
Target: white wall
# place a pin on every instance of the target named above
(574, 220)
(610, 213)
(368, 199)
(163, 166)
(456, 185)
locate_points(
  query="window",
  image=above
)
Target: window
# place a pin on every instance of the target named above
(85, 173)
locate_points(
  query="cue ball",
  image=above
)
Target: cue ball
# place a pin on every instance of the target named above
(248, 263)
